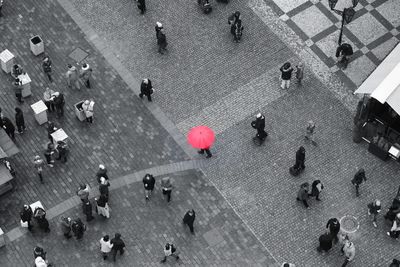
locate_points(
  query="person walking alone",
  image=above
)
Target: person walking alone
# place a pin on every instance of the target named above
(146, 89)
(343, 54)
(373, 209)
(118, 245)
(169, 251)
(286, 75)
(19, 121)
(87, 210)
(358, 179)
(105, 246)
(349, 251)
(259, 125)
(161, 38)
(299, 73)
(148, 183)
(18, 90)
(38, 162)
(333, 226)
(310, 132)
(189, 218)
(26, 216)
(325, 242)
(205, 150)
(65, 224)
(46, 65)
(86, 74)
(302, 194)
(166, 187)
(316, 188)
(9, 127)
(299, 163)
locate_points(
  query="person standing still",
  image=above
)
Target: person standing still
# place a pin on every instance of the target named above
(19, 121)
(88, 107)
(65, 224)
(148, 183)
(83, 192)
(78, 228)
(189, 218)
(302, 194)
(39, 167)
(299, 73)
(46, 65)
(333, 226)
(1, 7)
(166, 187)
(118, 245)
(206, 150)
(87, 208)
(169, 250)
(26, 216)
(48, 98)
(105, 246)
(373, 209)
(101, 172)
(18, 90)
(48, 153)
(358, 179)
(59, 103)
(73, 77)
(86, 74)
(316, 188)
(349, 251)
(9, 127)
(141, 4)
(300, 159)
(146, 89)
(286, 75)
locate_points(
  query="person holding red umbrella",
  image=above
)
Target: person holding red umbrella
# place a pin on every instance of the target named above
(201, 137)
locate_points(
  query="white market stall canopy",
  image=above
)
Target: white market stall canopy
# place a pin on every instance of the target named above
(384, 83)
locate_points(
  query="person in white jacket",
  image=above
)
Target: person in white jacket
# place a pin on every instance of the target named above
(349, 251)
(395, 230)
(105, 246)
(40, 262)
(87, 107)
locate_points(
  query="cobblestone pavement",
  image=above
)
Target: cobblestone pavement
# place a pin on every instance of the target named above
(124, 135)
(220, 239)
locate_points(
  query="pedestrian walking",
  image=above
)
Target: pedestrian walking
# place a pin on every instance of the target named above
(299, 73)
(103, 187)
(48, 154)
(189, 218)
(333, 227)
(105, 246)
(83, 192)
(59, 103)
(17, 84)
(148, 183)
(38, 162)
(73, 77)
(46, 65)
(141, 4)
(299, 163)
(63, 151)
(102, 207)
(26, 217)
(395, 263)
(259, 125)
(86, 74)
(88, 107)
(343, 54)
(118, 245)
(78, 228)
(19, 121)
(302, 194)
(65, 224)
(238, 31)
(349, 251)
(101, 172)
(358, 179)
(1, 7)
(169, 251)
(87, 210)
(51, 128)
(310, 132)
(325, 242)
(206, 150)
(395, 230)
(146, 89)
(48, 98)
(40, 215)
(286, 75)
(161, 38)
(39, 252)
(8, 126)
(233, 19)
(316, 188)
(374, 208)
(166, 186)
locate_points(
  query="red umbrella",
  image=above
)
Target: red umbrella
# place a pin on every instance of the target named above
(201, 137)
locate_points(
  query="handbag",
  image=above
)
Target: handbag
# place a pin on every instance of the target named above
(24, 224)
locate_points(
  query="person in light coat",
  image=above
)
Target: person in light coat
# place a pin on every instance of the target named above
(48, 97)
(73, 77)
(349, 251)
(105, 246)
(102, 207)
(86, 74)
(87, 107)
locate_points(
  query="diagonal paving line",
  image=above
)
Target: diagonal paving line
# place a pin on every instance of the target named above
(115, 184)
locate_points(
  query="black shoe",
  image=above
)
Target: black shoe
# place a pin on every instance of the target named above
(208, 156)
(200, 152)
(162, 261)
(318, 199)
(177, 257)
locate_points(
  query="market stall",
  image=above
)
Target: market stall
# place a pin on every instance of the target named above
(377, 120)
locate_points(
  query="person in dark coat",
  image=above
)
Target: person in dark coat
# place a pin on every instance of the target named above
(18, 90)
(102, 172)
(78, 228)
(40, 215)
(148, 183)
(374, 208)
(302, 194)
(118, 245)
(325, 242)
(286, 75)
(358, 179)
(62, 149)
(259, 125)
(48, 154)
(395, 263)
(103, 187)
(333, 225)
(238, 31)
(141, 4)
(316, 188)
(189, 218)
(46, 65)
(146, 89)
(300, 159)
(66, 226)
(343, 53)
(26, 216)
(161, 38)
(8, 126)
(19, 120)
(59, 103)
(87, 210)
(393, 210)
(233, 19)
(51, 128)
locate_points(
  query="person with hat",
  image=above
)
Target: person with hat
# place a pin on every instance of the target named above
(148, 183)
(87, 107)
(18, 89)
(161, 38)
(46, 65)
(373, 209)
(73, 77)
(59, 103)
(358, 179)
(26, 216)
(102, 172)
(286, 75)
(166, 187)
(141, 4)
(19, 120)
(146, 89)
(65, 224)
(39, 166)
(48, 99)
(86, 74)
(259, 125)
